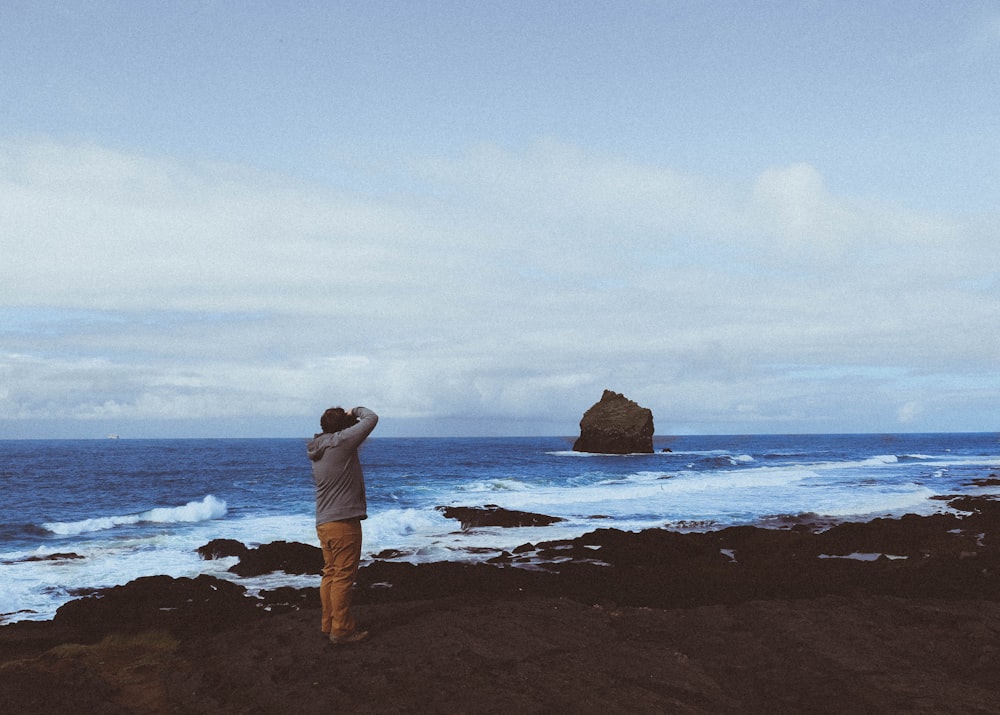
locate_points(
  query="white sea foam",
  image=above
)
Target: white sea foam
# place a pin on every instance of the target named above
(208, 508)
(880, 459)
(654, 494)
(988, 461)
(866, 502)
(493, 485)
(396, 527)
(30, 585)
(263, 529)
(652, 498)
(891, 461)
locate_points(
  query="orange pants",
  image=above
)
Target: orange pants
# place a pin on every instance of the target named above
(341, 544)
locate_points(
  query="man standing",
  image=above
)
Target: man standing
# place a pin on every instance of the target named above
(340, 507)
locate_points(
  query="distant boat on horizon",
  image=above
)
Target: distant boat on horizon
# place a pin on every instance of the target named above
(113, 436)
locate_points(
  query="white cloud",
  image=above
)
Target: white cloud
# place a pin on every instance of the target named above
(502, 282)
(95, 228)
(792, 204)
(909, 412)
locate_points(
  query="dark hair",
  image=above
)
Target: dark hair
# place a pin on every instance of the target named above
(336, 419)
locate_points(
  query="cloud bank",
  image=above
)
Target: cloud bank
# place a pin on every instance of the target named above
(494, 291)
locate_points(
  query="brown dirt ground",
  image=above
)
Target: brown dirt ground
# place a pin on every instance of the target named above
(870, 654)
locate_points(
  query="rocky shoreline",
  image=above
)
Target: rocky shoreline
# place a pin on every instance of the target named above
(890, 615)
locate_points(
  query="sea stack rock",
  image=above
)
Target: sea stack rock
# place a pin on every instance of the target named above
(616, 425)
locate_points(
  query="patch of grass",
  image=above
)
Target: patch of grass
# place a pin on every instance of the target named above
(118, 645)
(127, 669)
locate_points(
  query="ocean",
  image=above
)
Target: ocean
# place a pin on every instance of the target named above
(118, 509)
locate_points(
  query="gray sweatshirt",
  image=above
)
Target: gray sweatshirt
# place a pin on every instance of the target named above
(340, 484)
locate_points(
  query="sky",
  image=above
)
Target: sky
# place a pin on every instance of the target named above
(219, 218)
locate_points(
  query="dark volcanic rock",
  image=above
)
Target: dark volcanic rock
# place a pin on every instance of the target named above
(390, 554)
(53, 557)
(990, 481)
(942, 556)
(938, 556)
(221, 548)
(492, 515)
(288, 598)
(985, 506)
(388, 581)
(181, 605)
(616, 425)
(290, 557)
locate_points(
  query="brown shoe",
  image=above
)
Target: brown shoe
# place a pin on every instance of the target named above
(352, 637)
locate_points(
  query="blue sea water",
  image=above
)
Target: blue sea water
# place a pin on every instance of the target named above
(132, 508)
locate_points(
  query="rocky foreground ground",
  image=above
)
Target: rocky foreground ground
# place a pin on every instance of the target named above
(888, 616)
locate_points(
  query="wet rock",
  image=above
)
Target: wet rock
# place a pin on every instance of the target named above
(69, 556)
(390, 554)
(979, 506)
(493, 515)
(991, 481)
(182, 605)
(288, 598)
(221, 548)
(288, 556)
(910, 535)
(389, 581)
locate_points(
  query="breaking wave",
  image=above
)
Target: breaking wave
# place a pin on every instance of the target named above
(208, 508)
